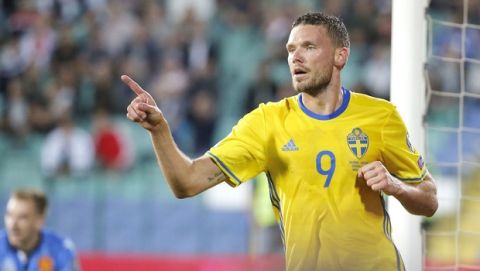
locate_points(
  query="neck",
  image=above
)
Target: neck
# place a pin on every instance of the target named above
(29, 246)
(326, 101)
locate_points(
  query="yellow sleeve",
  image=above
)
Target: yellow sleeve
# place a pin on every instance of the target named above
(241, 154)
(399, 156)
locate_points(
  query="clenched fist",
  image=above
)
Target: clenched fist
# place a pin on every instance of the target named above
(379, 179)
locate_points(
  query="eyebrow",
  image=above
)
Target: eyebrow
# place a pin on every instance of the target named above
(304, 43)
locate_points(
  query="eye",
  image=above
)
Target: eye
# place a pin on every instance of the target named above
(310, 47)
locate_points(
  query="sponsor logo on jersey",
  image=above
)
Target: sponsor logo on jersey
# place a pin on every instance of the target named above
(290, 146)
(357, 141)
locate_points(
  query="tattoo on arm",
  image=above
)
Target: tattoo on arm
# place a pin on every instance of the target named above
(217, 177)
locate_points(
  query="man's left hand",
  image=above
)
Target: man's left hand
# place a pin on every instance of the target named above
(379, 179)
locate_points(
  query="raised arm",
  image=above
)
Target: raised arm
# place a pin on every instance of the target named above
(187, 177)
(418, 199)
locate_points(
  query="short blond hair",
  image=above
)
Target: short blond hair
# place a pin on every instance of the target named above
(38, 197)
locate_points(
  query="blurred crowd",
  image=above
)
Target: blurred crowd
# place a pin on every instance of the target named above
(60, 63)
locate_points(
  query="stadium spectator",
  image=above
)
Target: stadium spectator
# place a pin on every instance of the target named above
(25, 244)
(330, 155)
(112, 150)
(68, 150)
(13, 60)
(17, 110)
(201, 117)
(263, 89)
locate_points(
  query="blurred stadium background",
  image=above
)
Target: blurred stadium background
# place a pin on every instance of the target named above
(207, 62)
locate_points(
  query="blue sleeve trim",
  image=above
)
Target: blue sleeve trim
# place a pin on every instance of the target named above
(224, 167)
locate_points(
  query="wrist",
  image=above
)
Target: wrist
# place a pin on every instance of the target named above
(160, 131)
(160, 128)
(397, 188)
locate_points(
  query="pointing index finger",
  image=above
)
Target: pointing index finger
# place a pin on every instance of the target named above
(134, 86)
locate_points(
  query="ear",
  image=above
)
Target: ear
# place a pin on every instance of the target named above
(341, 57)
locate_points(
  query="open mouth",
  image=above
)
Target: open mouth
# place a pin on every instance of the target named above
(299, 71)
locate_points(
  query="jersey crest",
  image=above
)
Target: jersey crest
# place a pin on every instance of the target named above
(357, 141)
(45, 263)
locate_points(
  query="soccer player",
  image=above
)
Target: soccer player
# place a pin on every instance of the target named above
(330, 155)
(25, 245)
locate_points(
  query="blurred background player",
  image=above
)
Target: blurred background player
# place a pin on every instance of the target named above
(25, 245)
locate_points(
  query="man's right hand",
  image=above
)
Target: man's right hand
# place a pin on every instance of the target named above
(143, 109)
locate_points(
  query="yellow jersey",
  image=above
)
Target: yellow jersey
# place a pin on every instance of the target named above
(330, 220)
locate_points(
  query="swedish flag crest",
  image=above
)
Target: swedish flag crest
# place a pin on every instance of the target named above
(358, 142)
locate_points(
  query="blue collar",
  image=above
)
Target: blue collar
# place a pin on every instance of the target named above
(340, 110)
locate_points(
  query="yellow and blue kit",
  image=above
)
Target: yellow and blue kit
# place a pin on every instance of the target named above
(330, 219)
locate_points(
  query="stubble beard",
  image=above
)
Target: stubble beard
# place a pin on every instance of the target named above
(23, 242)
(315, 85)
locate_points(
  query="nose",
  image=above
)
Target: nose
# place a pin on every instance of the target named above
(296, 56)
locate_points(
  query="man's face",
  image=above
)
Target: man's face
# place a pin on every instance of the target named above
(310, 58)
(22, 223)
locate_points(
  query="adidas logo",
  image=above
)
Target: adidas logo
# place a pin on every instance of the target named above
(290, 146)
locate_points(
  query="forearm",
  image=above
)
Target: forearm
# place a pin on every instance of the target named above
(173, 163)
(418, 199)
(185, 176)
